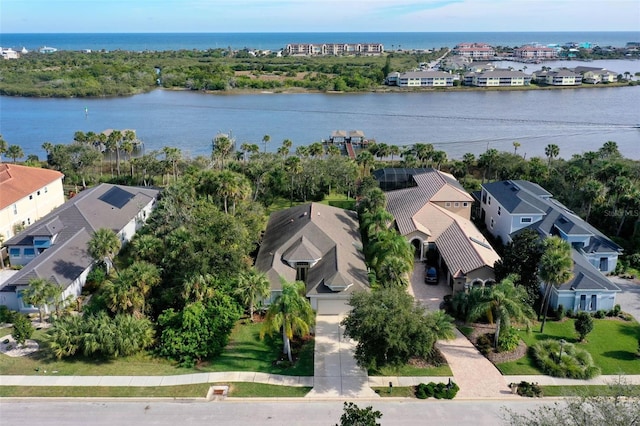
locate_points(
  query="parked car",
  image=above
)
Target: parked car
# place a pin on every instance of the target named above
(431, 275)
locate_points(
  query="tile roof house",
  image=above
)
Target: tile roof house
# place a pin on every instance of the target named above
(55, 248)
(319, 245)
(508, 207)
(26, 195)
(434, 216)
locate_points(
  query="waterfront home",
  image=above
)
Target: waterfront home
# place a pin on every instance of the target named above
(55, 248)
(26, 195)
(420, 79)
(9, 53)
(560, 77)
(432, 211)
(594, 75)
(533, 53)
(319, 245)
(474, 50)
(335, 49)
(508, 207)
(497, 78)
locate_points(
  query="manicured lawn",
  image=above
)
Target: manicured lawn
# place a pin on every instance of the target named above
(239, 390)
(613, 344)
(599, 390)
(261, 390)
(333, 199)
(396, 392)
(410, 370)
(185, 391)
(245, 352)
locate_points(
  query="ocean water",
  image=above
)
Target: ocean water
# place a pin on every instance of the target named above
(275, 41)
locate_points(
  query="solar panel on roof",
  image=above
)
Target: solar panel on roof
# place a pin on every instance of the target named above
(117, 197)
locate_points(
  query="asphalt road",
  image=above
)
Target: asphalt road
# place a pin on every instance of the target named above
(14, 411)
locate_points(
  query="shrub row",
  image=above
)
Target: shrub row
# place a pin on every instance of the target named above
(573, 362)
(436, 390)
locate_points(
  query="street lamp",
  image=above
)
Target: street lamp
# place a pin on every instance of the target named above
(562, 342)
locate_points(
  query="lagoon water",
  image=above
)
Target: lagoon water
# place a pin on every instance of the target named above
(576, 120)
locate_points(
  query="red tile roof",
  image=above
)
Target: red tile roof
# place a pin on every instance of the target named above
(17, 182)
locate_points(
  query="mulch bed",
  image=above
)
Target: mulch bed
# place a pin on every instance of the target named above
(493, 356)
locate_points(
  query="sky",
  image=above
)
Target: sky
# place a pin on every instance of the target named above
(124, 16)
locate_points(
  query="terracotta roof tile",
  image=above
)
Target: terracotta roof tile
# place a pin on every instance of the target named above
(17, 182)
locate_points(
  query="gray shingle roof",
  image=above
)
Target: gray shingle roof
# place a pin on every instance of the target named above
(74, 222)
(332, 232)
(586, 276)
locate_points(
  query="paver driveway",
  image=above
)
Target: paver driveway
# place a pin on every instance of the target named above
(629, 297)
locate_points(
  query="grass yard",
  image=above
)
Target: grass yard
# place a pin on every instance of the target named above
(333, 199)
(613, 344)
(245, 352)
(396, 392)
(261, 390)
(410, 370)
(597, 390)
(184, 391)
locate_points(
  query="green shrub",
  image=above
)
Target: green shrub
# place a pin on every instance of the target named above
(22, 328)
(6, 314)
(560, 313)
(532, 390)
(436, 390)
(584, 324)
(484, 344)
(569, 313)
(599, 314)
(508, 340)
(574, 362)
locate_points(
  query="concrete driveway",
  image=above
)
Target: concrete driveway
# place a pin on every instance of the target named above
(428, 295)
(336, 374)
(629, 297)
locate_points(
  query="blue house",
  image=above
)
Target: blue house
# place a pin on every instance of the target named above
(508, 207)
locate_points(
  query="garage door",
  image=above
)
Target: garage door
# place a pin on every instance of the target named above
(333, 307)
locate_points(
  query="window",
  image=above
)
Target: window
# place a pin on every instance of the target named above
(484, 197)
(29, 252)
(604, 264)
(583, 302)
(465, 204)
(492, 222)
(38, 192)
(525, 220)
(447, 204)
(499, 210)
(28, 221)
(45, 190)
(489, 201)
(14, 252)
(594, 301)
(31, 197)
(15, 209)
(456, 204)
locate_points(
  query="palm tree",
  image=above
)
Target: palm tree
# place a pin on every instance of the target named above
(147, 247)
(3, 147)
(372, 200)
(146, 276)
(316, 149)
(438, 157)
(14, 152)
(386, 244)
(393, 151)
(41, 293)
(172, 156)
(293, 166)
(265, 140)
(364, 160)
(289, 313)
(441, 325)
(47, 146)
(122, 295)
(487, 160)
(592, 192)
(375, 221)
(198, 288)
(609, 150)
(556, 268)
(222, 147)
(503, 302)
(253, 286)
(516, 145)
(551, 151)
(393, 271)
(114, 140)
(103, 246)
(333, 151)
